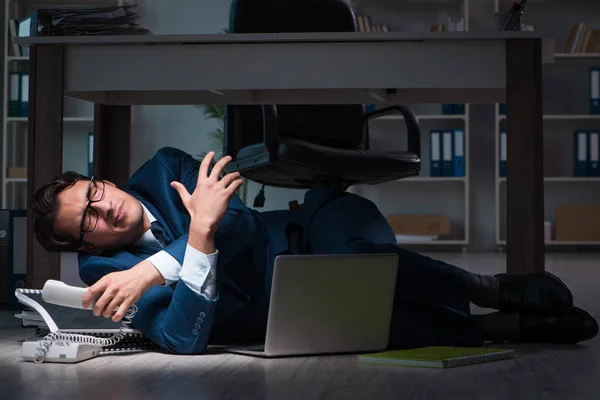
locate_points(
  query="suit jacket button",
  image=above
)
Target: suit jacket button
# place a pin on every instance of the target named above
(195, 332)
(202, 314)
(200, 320)
(197, 326)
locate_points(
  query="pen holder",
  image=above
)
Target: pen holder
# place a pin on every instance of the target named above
(506, 21)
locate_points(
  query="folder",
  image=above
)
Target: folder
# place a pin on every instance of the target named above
(24, 103)
(460, 109)
(459, 152)
(594, 150)
(447, 109)
(14, 94)
(502, 149)
(595, 91)
(581, 153)
(435, 153)
(447, 153)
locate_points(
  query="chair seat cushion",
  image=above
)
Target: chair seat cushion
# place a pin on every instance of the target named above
(300, 162)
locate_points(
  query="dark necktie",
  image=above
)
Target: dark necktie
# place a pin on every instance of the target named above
(159, 233)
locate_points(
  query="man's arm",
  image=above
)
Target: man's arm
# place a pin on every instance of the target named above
(198, 270)
(206, 206)
(178, 320)
(236, 228)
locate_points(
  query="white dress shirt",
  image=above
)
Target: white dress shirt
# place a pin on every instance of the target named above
(198, 271)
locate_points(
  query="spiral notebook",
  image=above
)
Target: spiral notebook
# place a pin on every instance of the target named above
(437, 357)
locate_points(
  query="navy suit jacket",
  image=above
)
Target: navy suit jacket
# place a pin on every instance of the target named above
(177, 318)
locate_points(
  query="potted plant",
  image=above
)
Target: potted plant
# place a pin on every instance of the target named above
(217, 112)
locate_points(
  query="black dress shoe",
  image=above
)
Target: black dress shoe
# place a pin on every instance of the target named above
(577, 326)
(537, 292)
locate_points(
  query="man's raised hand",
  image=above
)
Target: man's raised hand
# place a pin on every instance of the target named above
(208, 203)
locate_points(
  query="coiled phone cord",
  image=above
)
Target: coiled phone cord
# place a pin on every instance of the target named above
(54, 337)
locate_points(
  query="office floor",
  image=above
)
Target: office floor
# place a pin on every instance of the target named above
(538, 372)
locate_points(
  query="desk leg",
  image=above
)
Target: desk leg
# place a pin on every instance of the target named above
(44, 148)
(112, 143)
(524, 164)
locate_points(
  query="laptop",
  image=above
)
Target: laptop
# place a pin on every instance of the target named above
(328, 304)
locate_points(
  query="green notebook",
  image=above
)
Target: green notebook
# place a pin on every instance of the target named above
(437, 357)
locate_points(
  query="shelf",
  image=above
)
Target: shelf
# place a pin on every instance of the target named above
(16, 180)
(422, 117)
(592, 57)
(566, 117)
(561, 243)
(65, 119)
(433, 179)
(17, 58)
(434, 242)
(87, 3)
(565, 179)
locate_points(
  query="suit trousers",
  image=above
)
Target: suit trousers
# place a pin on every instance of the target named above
(431, 304)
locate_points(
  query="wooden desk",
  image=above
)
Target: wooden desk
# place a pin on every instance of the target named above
(378, 67)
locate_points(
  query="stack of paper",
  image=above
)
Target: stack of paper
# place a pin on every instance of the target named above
(88, 21)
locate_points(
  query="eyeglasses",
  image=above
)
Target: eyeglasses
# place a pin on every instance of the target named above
(95, 193)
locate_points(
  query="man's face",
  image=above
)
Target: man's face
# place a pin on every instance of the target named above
(115, 218)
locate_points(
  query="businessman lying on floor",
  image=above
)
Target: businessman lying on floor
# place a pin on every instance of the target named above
(197, 262)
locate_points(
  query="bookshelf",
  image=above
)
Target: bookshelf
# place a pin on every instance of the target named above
(567, 109)
(420, 195)
(77, 121)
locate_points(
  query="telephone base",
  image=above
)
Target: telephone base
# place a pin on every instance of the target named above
(61, 351)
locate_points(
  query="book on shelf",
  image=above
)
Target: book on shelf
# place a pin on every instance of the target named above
(437, 356)
(583, 39)
(365, 25)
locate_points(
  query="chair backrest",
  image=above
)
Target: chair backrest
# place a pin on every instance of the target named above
(340, 126)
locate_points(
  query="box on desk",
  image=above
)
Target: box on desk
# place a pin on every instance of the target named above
(577, 222)
(422, 225)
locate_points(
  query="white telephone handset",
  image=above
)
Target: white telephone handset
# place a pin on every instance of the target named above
(59, 346)
(59, 293)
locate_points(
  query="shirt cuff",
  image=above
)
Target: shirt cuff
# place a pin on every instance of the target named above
(167, 265)
(199, 271)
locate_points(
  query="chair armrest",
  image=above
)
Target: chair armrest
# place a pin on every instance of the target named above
(270, 129)
(412, 125)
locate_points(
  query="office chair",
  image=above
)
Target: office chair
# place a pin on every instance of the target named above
(303, 146)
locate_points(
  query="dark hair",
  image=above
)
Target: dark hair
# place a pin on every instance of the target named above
(44, 205)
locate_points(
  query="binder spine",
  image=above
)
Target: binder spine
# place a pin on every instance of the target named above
(435, 153)
(502, 158)
(24, 103)
(459, 153)
(594, 150)
(581, 153)
(447, 151)
(595, 91)
(14, 99)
